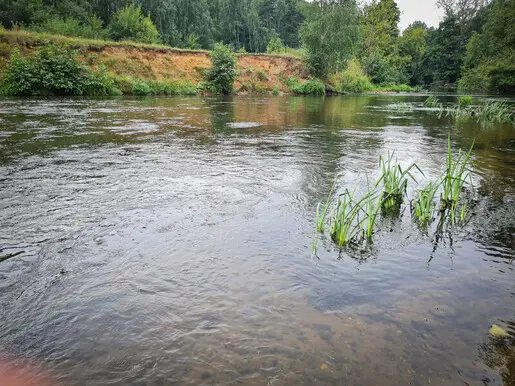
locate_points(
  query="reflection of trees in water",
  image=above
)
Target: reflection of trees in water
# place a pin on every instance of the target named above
(499, 354)
(222, 113)
(332, 132)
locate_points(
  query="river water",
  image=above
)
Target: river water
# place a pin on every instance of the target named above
(168, 241)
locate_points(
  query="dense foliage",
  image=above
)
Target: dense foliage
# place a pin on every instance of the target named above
(129, 23)
(489, 64)
(53, 70)
(474, 45)
(329, 35)
(222, 74)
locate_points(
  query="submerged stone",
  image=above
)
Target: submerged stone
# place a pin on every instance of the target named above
(498, 332)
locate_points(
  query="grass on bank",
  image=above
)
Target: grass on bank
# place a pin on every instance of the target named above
(353, 80)
(55, 70)
(37, 39)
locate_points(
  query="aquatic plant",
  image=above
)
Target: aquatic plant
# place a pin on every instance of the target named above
(321, 211)
(465, 101)
(371, 206)
(455, 176)
(395, 181)
(424, 206)
(499, 112)
(433, 102)
(490, 112)
(353, 219)
(346, 223)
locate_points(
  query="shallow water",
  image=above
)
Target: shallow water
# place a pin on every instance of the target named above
(168, 241)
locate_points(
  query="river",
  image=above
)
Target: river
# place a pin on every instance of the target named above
(168, 241)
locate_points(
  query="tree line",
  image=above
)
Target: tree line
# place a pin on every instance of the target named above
(473, 46)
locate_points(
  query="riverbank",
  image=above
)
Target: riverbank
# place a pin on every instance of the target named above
(149, 69)
(138, 68)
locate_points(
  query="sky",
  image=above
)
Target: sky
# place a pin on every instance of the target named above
(424, 10)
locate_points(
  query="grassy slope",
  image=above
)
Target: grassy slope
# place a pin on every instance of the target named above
(257, 72)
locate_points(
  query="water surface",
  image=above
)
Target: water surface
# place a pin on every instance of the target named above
(168, 241)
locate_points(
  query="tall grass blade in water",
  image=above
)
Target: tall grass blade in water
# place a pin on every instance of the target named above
(424, 206)
(499, 112)
(371, 205)
(456, 175)
(490, 112)
(346, 223)
(321, 212)
(395, 181)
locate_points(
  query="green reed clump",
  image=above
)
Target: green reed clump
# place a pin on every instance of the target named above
(371, 206)
(395, 181)
(433, 102)
(351, 220)
(424, 205)
(346, 223)
(465, 101)
(497, 112)
(455, 176)
(321, 212)
(490, 112)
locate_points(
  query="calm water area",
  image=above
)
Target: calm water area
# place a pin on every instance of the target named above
(161, 241)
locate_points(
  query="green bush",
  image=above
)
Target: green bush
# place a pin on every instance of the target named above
(311, 87)
(69, 26)
(102, 83)
(496, 76)
(53, 70)
(352, 80)
(192, 42)
(140, 87)
(222, 74)
(275, 46)
(129, 23)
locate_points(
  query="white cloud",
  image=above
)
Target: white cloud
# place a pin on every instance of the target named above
(423, 10)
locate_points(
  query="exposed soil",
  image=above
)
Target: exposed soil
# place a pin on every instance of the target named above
(256, 73)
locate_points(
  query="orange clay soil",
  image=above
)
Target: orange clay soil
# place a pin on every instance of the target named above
(256, 73)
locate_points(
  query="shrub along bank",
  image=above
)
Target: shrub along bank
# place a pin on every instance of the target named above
(37, 64)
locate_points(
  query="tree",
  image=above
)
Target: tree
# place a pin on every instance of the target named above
(288, 21)
(129, 23)
(378, 53)
(463, 10)
(329, 34)
(490, 56)
(443, 57)
(412, 46)
(222, 73)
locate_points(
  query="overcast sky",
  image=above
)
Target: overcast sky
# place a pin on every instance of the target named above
(424, 10)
